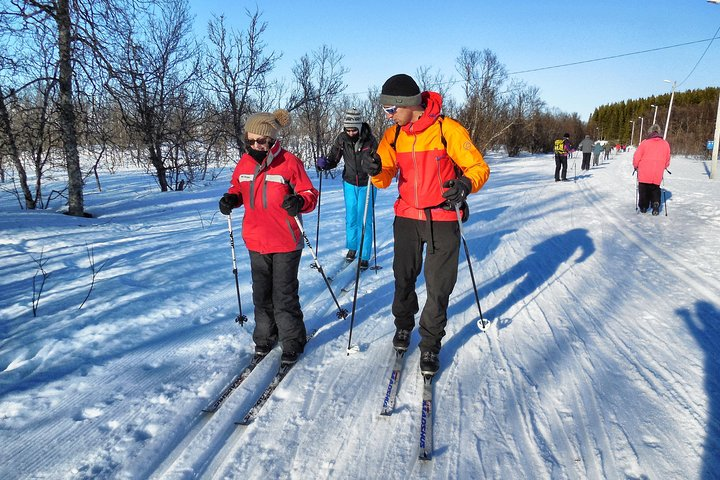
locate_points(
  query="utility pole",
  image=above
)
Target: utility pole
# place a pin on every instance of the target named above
(672, 97)
(716, 141)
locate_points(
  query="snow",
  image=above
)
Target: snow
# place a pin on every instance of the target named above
(598, 361)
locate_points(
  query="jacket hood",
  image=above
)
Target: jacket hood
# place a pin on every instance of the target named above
(433, 106)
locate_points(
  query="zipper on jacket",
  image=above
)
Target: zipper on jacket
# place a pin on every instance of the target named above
(415, 183)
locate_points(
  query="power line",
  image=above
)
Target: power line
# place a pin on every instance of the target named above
(701, 57)
(619, 56)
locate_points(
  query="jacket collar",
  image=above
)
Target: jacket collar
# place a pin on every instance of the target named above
(272, 154)
(433, 106)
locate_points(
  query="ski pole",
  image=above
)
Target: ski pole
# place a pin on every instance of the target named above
(357, 270)
(241, 319)
(376, 267)
(483, 325)
(664, 192)
(575, 169)
(317, 229)
(341, 313)
(637, 191)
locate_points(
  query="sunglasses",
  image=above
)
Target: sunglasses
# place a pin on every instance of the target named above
(390, 110)
(259, 141)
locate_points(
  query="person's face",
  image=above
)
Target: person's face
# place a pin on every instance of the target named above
(258, 142)
(352, 132)
(400, 115)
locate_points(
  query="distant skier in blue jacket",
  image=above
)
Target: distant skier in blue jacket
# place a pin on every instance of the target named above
(352, 144)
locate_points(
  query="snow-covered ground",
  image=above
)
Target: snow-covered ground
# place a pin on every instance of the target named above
(601, 359)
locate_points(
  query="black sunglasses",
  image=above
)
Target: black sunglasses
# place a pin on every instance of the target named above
(259, 141)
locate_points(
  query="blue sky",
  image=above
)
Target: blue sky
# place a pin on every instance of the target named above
(378, 39)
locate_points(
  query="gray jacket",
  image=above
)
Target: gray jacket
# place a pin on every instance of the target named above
(587, 144)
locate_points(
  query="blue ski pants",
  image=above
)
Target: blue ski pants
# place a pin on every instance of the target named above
(354, 208)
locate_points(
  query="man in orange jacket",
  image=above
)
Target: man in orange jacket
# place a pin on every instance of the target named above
(438, 167)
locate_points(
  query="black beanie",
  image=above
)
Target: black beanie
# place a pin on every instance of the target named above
(400, 90)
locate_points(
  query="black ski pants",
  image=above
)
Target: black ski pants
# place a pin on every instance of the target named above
(277, 304)
(441, 267)
(586, 161)
(648, 194)
(560, 167)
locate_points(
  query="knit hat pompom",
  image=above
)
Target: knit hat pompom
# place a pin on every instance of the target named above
(282, 116)
(353, 119)
(267, 124)
(400, 90)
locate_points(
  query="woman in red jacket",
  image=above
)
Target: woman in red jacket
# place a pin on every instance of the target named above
(650, 160)
(274, 187)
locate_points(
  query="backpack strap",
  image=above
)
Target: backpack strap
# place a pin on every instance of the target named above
(397, 134)
(442, 135)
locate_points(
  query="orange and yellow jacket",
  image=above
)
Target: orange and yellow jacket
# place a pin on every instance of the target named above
(424, 163)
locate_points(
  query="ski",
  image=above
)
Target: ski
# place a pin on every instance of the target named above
(337, 271)
(239, 378)
(267, 393)
(426, 417)
(255, 409)
(393, 384)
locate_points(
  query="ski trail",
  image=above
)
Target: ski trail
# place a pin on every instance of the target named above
(663, 257)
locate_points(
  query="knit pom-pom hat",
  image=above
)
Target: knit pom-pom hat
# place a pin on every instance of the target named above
(267, 124)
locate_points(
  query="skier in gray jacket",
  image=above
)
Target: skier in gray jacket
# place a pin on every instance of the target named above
(586, 146)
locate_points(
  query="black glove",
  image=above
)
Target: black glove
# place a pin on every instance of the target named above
(372, 164)
(293, 204)
(457, 190)
(228, 202)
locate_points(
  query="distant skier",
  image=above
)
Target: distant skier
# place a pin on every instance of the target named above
(586, 146)
(562, 149)
(438, 166)
(355, 141)
(597, 148)
(650, 160)
(608, 148)
(273, 186)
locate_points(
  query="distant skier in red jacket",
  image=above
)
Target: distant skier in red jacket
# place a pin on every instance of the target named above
(274, 187)
(650, 160)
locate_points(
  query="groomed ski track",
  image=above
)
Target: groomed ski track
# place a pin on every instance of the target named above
(568, 381)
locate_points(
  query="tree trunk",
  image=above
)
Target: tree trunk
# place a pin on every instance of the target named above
(67, 111)
(14, 153)
(156, 160)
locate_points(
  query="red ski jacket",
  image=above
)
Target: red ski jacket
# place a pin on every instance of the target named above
(262, 187)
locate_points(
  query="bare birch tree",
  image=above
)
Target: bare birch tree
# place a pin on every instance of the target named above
(237, 68)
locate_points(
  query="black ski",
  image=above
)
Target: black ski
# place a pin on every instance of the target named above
(255, 409)
(426, 418)
(393, 384)
(267, 393)
(239, 378)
